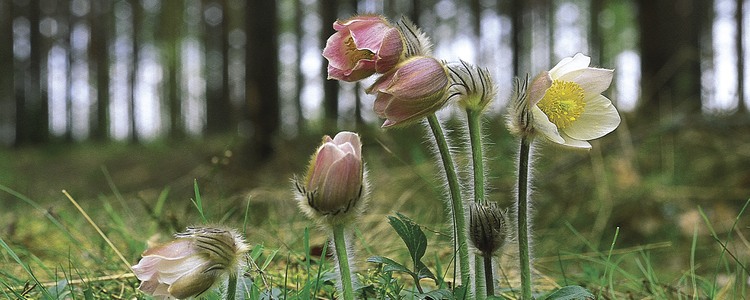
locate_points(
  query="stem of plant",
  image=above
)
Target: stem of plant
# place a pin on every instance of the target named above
(232, 286)
(489, 280)
(475, 136)
(339, 242)
(523, 218)
(457, 206)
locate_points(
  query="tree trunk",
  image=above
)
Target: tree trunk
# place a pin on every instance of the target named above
(261, 82)
(32, 112)
(299, 11)
(170, 34)
(218, 106)
(135, 7)
(739, 19)
(328, 14)
(7, 95)
(517, 15)
(670, 56)
(100, 22)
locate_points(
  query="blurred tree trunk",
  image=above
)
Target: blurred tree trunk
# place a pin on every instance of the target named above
(136, 12)
(416, 9)
(65, 13)
(517, 13)
(7, 95)
(328, 14)
(299, 14)
(218, 107)
(262, 79)
(32, 112)
(101, 24)
(670, 33)
(739, 19)
(169, 35)
(596, 49)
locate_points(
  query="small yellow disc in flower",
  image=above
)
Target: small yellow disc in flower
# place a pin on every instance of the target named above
(355, 54)
(563, 103)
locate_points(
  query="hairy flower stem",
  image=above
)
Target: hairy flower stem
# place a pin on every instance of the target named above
(457, 206)
(489, 280)
(232, 286)
(523, 217)
(342, 256)
(475, 136)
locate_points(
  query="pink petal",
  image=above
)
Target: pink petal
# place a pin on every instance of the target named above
(176, 249)
(326, 155)
(342, 184)
(539, 87)
(418, 77)
(390, 51)
(335, 51)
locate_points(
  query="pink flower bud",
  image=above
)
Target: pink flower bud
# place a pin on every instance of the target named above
(410, 91)
(191, 264)
(362, 46)
(333, 184)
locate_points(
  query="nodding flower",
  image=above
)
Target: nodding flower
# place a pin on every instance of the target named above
(194, 262)
(362, 45)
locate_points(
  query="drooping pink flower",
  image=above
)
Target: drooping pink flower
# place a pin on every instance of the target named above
(410, 91)
(362, 46)
(190, 265)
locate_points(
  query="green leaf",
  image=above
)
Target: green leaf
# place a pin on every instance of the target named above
(412, 235)
(389, 265)
(438, 294)
(571, 292)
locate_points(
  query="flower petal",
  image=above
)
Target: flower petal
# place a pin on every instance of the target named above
(369, 35)
(352, 139)
(570, 64)
(335, 51)
(544, 126)
(194, 284)
(326, 155)
(176, 249)
(599, 118)
(342, 184)
(573, 143)
(539, 87)
(594, 81)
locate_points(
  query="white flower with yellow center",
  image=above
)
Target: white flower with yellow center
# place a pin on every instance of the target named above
(566, 104)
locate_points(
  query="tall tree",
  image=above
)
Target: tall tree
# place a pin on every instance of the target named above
(328, 14)
(299, 12)
(262, 78)
(670, 32)
(169, 35)
(218, 106)
(100, 24)
(7, 95)
(136, 12)
(739, 20)
(32, 112)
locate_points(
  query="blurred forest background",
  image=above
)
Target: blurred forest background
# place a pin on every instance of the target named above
(127, 97)
(147, 69)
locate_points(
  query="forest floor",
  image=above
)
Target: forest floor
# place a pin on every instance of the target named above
(650, 212)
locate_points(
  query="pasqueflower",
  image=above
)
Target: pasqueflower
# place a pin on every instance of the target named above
(190, 265)
(334, 180)
(565, 104)
(362, 46)
(410, 91)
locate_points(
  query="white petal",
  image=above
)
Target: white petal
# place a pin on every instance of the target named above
(573, 143)
(544, 126)
(598, 118)
(593, 81)
(570, 64)
(169, 271)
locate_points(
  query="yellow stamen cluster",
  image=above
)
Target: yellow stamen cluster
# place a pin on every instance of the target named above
(354, 54)
(563, 103)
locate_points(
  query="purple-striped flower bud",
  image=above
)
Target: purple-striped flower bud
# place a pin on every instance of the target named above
(334, 180)
(412, 90)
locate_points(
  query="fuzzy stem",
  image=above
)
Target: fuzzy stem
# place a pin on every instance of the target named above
(475, 135)
(474, 121)
(457, 206)
(232, 286)
(342, 256)
(523, 217)
(489, 280)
